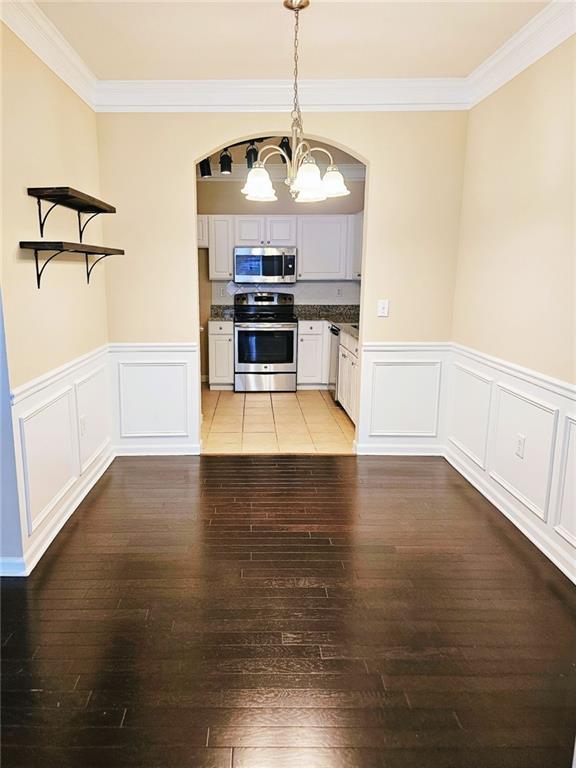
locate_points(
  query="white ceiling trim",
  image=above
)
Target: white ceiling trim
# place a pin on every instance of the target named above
(277, 171)
(548, 29)
(35, 29)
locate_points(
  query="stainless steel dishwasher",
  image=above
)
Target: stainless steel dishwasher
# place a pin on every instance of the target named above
(334, 348)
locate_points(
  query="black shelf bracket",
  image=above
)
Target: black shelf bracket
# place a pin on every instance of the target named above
(40, 269)
(90, 267)
(82, 226)
(42, 218)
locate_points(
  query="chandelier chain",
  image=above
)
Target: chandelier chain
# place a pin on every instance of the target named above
(296, 113)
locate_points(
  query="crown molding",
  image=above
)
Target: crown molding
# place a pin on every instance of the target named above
(548, 29)
(36, 30)
(276, 95)
(277, 171)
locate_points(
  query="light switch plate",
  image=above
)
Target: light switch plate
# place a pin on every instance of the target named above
(383, 307)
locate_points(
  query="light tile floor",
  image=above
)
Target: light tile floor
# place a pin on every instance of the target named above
(300, 422)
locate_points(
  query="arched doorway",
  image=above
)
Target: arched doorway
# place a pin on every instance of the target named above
(319, 416)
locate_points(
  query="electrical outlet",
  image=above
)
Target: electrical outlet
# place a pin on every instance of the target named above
(222, 293)
(383, 307)
(338, 291)
(82, 421)
(520, 445)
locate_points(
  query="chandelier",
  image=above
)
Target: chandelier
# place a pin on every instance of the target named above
(303, 176)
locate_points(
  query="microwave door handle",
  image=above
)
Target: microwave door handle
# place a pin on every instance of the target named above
(283, 265)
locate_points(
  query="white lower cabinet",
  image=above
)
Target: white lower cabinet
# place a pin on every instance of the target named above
(310, 358)
(220, 353)
(348, 382)
(313, 352)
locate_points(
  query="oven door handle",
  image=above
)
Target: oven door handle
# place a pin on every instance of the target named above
(266, 326)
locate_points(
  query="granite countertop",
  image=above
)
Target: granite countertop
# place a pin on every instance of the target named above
(345, 314)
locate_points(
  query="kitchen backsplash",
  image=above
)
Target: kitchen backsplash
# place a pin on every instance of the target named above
(313, 293)
(336, 313)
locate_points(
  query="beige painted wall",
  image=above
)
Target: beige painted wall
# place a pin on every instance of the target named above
(49, 138)
(515, 296)
(413, 201)
(225, 197)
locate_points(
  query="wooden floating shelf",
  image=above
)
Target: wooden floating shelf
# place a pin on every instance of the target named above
(63, 247)
(71, 198)
(59, 246)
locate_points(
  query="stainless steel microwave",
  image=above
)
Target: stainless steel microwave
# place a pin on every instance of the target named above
(264, 265)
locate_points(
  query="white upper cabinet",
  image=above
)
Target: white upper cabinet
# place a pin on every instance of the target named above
(249, 230)
(329, 246)
(202, 231)
(281, 230)
(322, 247)
(265, 230)
(354, 248)
(221, 247)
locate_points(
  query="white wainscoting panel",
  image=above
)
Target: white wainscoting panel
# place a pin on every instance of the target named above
(415, 399)
(156, 405)
(401, 399)
(62, 444)
(49, 454)
(537, 492)
(93, 414)
(145, 409)
(527, 477)
(566, 516)
(406, 398)
(471, 395)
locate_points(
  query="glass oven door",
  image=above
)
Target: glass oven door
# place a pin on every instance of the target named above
(265, 347)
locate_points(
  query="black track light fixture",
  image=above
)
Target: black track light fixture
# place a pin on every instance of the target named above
(205, 169)
(226, 162)
(251, 155)
(285, 146)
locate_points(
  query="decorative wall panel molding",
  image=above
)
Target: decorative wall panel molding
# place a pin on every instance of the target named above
(535, 492)
(565, 522)
(401, 398)
(471, 396)
(442, 406)
(156, 406)
(145, 408)
(524, 471)
(49, 455)
(93, 415)
(545, 31)
(62, 442)
(405, 398)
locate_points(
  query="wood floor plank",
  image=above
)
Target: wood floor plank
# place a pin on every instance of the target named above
(288, 611)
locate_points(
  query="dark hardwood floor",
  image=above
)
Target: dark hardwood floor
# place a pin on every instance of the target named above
(288, 612)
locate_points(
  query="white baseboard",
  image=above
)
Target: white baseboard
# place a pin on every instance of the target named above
(543, 541)
(78, 493)
(383, 449)
(160, 450)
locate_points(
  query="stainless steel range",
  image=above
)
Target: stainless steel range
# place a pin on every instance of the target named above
(265, 342)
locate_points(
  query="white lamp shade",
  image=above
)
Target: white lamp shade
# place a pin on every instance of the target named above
(308, 177)
(333, 183)
(266, 197)
(258, 182)
(311, 195)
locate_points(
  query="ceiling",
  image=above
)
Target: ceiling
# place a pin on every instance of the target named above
(253, 40)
